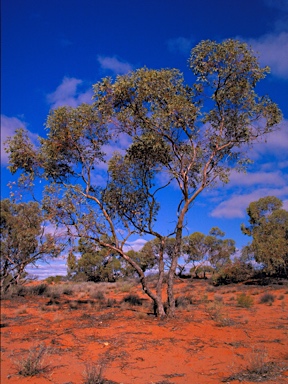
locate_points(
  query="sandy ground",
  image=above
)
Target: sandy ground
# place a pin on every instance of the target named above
(211, 340)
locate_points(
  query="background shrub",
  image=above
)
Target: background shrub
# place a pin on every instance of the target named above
(133, 300)
(244, 301)
(267, 298)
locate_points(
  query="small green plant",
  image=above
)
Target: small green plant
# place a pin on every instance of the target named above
(244, 301)
(33, 363)
(267, 298)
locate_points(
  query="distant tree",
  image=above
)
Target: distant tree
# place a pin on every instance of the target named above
(191, 135)
(269, 230)
(196, 248)
(219, 250)
(23, 240)
(211, 250)
(94, 263)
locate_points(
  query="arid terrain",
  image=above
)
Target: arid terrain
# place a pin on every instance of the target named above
(106, 333)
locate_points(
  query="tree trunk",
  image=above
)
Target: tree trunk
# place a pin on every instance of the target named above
(159, 307)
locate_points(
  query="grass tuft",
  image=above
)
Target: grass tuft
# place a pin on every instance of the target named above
(33, 363)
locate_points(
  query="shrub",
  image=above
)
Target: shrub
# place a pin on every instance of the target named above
(267, 298)
(133, 300)
(93, 374)
(33, 363)
(54, 279)
(244, 301)
(39, 289)
(98, 295)
(233, 273)
(183, 301)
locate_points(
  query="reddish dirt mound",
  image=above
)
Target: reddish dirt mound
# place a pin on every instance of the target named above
(228, 334)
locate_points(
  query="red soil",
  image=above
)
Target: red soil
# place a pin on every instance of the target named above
(207, 342)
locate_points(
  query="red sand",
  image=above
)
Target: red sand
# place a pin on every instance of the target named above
(205, 343)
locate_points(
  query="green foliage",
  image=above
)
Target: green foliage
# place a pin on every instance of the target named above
(23, 240)
(234, 272)
(95, 263)
(54, 279)
(244, 301)
(211, 249)
(193, 134)
(269, 230)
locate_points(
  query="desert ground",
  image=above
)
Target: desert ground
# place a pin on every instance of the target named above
(106, 333)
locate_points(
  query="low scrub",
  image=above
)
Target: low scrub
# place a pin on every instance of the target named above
(33, 363)
(267, 298)
(244, 301)
(133, 300)
(183, 301)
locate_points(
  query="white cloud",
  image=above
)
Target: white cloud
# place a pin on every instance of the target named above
(112, 63)
(276, 143)
(256, 179)
(8, 128)
(43, 270)
(136, 245)
(235, 206)
(273, 51)
(67, 94)
(180, 45)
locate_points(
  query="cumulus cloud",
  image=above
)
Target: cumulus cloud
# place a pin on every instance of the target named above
(8, 128)
(235, 206)
(273, 51)
(276, 143)
(115, 65)
(67, 94)
(136, 245)
(180, 45)
(256, 178)
(43, 270)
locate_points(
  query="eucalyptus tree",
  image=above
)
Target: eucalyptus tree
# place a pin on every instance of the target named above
(184, 137)
(269, 230)
(23, 241)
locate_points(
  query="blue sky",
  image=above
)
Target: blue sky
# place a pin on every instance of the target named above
(54, 51)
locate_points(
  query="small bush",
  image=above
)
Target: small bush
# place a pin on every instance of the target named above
(111, 303)
(39, 290)
(98, 295)
(133, 300)
(267, 298)
(54, 279)
(93, 374)
(33, 363)
(244, 301)
(183, 301)
(218, 298)
(125, 287)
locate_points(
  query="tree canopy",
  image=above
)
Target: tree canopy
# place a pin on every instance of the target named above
(23, 240)
(269, 230)
(189, 136)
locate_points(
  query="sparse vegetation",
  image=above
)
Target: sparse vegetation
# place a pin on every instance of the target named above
(133, 300)
(93, 374)
(244, 301)
(267, 298)
(32, 364)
